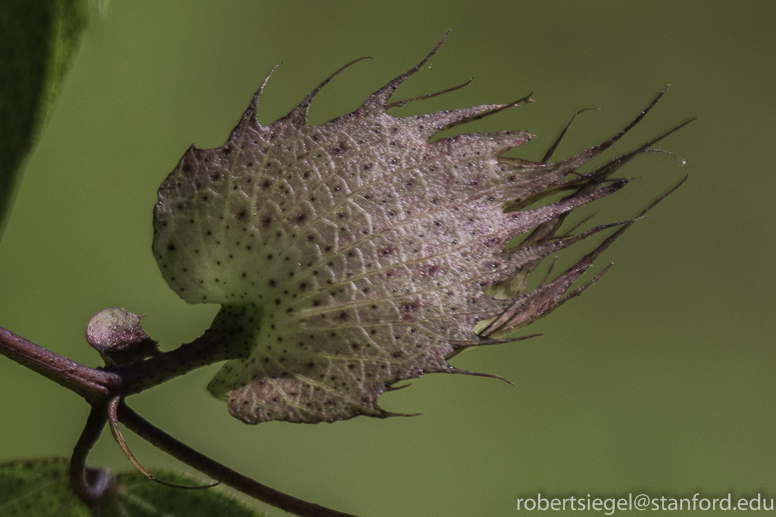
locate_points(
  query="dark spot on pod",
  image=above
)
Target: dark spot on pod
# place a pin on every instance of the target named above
(409, 309)
(341, 147)
(429, 269)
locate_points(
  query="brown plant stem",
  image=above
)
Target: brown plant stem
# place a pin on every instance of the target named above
(92, 384)
(90, 485)
(100, 387)
(217, 471)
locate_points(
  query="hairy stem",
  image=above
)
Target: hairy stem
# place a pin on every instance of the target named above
(141, 375)
(92, 384)
(212, 468)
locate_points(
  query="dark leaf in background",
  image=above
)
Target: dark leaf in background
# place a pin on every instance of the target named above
(38, 43)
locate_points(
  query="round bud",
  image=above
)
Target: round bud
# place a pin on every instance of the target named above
(117, 334)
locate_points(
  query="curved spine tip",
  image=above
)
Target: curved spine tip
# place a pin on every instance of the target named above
(380, 97)
(304, 106)
(116, 432)
(252, 107)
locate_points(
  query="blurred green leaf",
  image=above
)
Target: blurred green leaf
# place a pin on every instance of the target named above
(38, 41)
(41, 487)
(36, 488)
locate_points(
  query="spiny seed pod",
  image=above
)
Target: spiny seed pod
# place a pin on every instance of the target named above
(358, 253)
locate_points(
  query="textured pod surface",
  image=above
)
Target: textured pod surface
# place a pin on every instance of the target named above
(355, 254)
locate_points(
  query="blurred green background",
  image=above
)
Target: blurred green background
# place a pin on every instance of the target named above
(659, 379)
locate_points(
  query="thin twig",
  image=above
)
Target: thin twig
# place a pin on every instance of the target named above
(92, 384)
(90, 485)
(217, 471)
